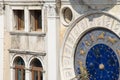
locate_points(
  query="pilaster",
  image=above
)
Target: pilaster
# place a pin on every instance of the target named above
(52, 42)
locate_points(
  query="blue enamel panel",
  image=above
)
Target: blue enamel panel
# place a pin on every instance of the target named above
(102, 54)
(99, 52)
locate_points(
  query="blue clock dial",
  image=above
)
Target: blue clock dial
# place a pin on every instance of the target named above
(97, 55)
(102, 63)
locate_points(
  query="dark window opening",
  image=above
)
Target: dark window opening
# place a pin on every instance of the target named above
(36, 20)
(19, 19)
(36, 69)
(19, 69)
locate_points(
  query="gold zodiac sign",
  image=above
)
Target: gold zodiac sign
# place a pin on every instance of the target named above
(82, 52)
(92, 38)
(101, 36)
(82, 69)
(118, 51)
(83, 75)
(112, 40)
(87, 43)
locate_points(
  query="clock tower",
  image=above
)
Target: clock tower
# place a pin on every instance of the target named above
(90, 37)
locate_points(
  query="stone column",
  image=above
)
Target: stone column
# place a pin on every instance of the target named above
(27, 75)
(12, 74)
(52, 43)
(26, 14)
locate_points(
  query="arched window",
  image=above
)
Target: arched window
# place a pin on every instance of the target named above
(19, 68)
(36, 71)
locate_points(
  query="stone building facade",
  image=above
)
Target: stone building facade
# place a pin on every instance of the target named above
(55, 39)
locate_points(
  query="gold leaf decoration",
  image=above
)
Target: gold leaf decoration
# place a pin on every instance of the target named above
(101, 36)
(81, 66)
(83, 75)
(92, 38)
(112, 40)
(87, 43)
(82, 52)
(118, 51)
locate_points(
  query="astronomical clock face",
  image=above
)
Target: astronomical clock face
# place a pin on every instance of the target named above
(97, 56)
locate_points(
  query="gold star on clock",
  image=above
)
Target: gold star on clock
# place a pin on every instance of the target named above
(112, 40)
(101, 36)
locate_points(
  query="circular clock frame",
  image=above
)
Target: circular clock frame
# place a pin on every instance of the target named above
(74, 34)
(96, 55)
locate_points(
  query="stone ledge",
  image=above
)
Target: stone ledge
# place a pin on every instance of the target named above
(42, 34)
(13, 67)
(27, 52)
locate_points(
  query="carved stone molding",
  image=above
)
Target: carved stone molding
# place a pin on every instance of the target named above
(27, 52)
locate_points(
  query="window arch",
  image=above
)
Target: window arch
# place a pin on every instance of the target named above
(36, 69)
(19, 68)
